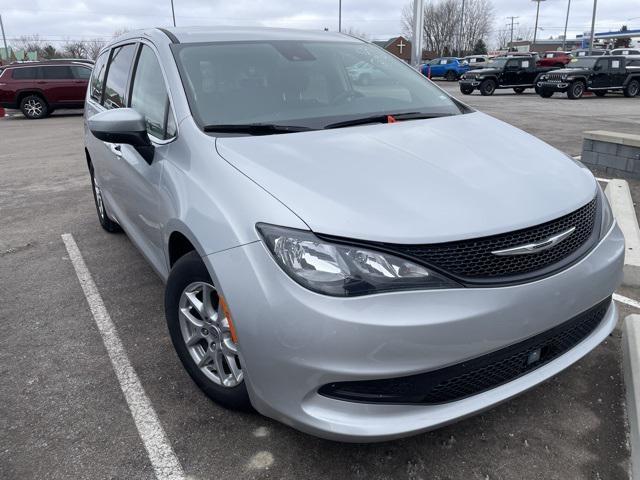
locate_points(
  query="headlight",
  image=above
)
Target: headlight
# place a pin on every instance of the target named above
(607, 214)
(543, 77)
(344, 270)
(564, 78)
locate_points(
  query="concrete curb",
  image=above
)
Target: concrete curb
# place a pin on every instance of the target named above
(619, 196)
(631, 367)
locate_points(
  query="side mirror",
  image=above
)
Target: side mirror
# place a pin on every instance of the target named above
(123, 125)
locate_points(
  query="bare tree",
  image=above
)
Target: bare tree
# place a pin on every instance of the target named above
(74, 49)
(93, 47)
(442, 24)
(30, 43)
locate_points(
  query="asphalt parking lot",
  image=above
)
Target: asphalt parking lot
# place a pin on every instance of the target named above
(62, 411)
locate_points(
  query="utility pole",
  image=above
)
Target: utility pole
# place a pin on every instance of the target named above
(418, 25)
(460, 42)
(566, 23)
(535, 30)
(4, 39)
(512, 24)
(593, 26)
(339, 15)
(173, 14)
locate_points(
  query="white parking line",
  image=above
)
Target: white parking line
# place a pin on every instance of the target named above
(163, 459)
(626, 300)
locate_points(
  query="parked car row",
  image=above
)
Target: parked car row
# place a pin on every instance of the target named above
(597, 74)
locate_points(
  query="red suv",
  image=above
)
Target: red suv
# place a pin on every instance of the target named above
(40, 87)
(554, 59)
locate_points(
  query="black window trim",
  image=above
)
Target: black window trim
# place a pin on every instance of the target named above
(132, 73)
(130, 41)
(107, 52)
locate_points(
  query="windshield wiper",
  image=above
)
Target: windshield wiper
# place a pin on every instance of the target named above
(256, 128)
(384, 118)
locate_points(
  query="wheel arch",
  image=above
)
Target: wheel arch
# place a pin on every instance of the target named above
(180, 241)
(25, 93)
(634, 76)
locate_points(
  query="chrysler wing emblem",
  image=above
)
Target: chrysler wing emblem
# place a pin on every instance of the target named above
(536, 247)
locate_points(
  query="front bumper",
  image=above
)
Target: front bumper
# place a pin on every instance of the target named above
(293, 341)
(553, 86)
(469, 83)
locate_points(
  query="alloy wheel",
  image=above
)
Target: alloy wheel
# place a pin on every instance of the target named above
(33, 107)
(206, 332)
(99, 202)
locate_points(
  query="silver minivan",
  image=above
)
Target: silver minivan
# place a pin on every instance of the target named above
(361, 261)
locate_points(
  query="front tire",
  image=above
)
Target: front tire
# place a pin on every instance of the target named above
(545, 93)
(632, 89)
(487, 87)
(466, 90)
(34, 107)
(105, 222)
(202, 335)
(576, 90)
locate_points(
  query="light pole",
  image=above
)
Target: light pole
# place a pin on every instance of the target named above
(4, 39)
(173, 14)
(566, 23)
(593, 26)
(418, 25)
(535, 30)
(460, 43)
(339, 15)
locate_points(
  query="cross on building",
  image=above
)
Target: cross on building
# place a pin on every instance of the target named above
(401, 45)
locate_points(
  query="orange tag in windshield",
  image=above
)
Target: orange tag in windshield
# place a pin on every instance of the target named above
(391, 119)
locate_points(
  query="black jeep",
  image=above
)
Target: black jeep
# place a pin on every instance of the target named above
(518, 73)
(611, 73)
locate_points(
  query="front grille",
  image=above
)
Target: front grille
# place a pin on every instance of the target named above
(477, 375)
(554, 77)
(472, 261)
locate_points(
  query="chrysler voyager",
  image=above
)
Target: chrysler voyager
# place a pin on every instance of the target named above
(329, 260)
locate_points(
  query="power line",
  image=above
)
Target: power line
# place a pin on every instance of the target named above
(512, 24)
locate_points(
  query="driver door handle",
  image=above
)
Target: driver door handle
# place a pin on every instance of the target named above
(116, 149)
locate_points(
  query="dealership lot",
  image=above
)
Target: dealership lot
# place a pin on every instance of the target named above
(61, 398)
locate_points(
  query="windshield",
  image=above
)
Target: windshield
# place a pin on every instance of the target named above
(498, 63)
(582, 63)
(305, 84)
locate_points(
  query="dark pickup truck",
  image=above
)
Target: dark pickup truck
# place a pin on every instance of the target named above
(594, 74)
(518, 73)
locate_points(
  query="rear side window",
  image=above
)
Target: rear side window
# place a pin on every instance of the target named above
(149, 96)
(59, 72)
(80, 73)
(615, 64)
(25, 73)
(97, 77)
(117, 76)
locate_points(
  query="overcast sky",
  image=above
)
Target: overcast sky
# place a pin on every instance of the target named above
(57, 20)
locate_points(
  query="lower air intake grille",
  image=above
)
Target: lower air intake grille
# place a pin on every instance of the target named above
(476, 375)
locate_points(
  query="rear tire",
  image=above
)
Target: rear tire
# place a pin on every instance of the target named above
(632, 89)
(466, 90)
(34, 107)
(576, 90)
(487, 87)
(187, 271)
(519, 90)
(105, 222)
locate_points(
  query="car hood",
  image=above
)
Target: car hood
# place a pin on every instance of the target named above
(419, 181)
(572, 71)
(485, 71)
